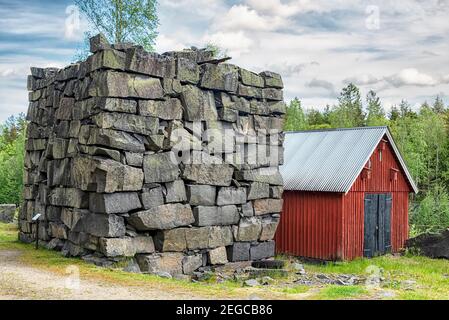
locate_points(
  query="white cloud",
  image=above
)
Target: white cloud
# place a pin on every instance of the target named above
(411, 77)
(236, 43)
(362, 80)
(241, 17)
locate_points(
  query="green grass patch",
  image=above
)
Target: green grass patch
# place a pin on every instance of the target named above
(334, 292)
(296, 289)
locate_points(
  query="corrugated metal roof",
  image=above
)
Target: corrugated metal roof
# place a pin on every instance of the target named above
(331, 160)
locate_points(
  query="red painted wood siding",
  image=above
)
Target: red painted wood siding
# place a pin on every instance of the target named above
(330, 226)
(311, 225)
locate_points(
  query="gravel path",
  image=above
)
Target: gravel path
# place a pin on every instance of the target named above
(18, 281)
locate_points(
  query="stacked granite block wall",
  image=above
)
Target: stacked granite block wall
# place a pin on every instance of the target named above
(171, 160)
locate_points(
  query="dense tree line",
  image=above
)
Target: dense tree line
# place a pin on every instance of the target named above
(12, 150)
(421, 135)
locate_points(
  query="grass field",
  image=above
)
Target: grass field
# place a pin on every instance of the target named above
(403, 277)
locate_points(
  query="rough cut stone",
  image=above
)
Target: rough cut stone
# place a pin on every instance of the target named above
(270, 175)
(69, 197)
(219, 77)
(192, 263)
(134, 159)
(231, 195)
(119, 202)
(126, 247)
(98, 42)
(239, 251)
(251, 79)
(258, 190)
(176, 191)
(201, 195)
(249, 229)
(218, 256)
(266, 206)
(164, 217)
(169, 109)
(111, 138)
(187, 71)
(101, 225)
(127, 122)
(262, 250)
(276, 192)
(198, 105)
(215, 175)
(152, 197)
(247, 209)
(160, 167)
(170, 262)
(105, 175)
(218, 216)
(171, 240)
(123, 85)
(71, 217)
(152, 64)
(272, 79)
(269, 227)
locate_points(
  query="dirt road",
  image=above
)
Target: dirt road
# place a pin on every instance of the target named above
(18, 281)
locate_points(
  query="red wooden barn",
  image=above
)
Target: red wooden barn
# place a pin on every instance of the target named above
(346, 194)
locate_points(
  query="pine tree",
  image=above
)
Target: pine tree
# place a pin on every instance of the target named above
(295, 119)
(376, 113)
(438, 106)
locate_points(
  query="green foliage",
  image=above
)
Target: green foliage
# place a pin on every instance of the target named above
(295, 118)
(432, 214)
(12, 150)
(122, 20)
(376, 113)
(218, 52)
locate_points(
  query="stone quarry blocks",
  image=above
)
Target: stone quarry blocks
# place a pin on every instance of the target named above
(218, 256)
(127, 122)
(201, 195)
(111, 138)
(272, 79)
(212, 174)
(169, 160)
(152, 64)
(126, 247)
(249, 229)
(105, 175)
(198, 105)
(192, 263)
(69, 197)
(119, 202)
(153, 197)
(231, 195)
(187, 71)
(169, 109)
(222, 77)
(258, 190)
(216, 216)
(160, 167)
(269, 226)
(102, 225)
(123, 85)
(171, 240)
(170, 262)
(266, 206)
(239, 251)
(262, 250)
(251, 79)
(176, 191)
(163, 217)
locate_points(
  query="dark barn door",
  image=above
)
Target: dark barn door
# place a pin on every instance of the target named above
(377, 224)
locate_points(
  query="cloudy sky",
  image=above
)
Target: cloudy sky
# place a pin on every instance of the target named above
(397, 48)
